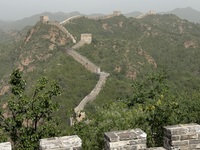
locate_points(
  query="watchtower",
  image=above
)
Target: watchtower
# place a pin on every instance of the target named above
(87, 38)
(116, 13)
(44, 18)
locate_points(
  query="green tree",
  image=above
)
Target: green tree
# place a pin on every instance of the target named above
(29, 117)
(151, 107)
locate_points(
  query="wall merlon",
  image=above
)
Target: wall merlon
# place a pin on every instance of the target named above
(182, 136)
(61, 143)
(5, 146)
(125, 139)
(133, 139)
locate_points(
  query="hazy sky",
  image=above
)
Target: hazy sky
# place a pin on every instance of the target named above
(18, 9)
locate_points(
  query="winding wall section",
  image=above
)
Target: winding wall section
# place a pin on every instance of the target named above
(57, 24)
(94, 69)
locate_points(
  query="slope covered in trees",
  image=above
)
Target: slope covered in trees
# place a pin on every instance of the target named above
(133, 52)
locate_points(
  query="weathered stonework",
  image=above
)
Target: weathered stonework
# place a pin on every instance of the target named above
(156, 148)
(87, 38)
(182, 137)
(176, 137)
(44, 18)
(5, 146)
(151, 12)
(125, 140)
(61, 143)
(84, 61)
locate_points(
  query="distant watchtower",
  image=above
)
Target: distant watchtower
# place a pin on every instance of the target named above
(116, 13)
(87, 38)
(44, 18)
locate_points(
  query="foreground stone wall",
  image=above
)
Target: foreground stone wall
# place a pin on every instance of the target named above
(183, 136)
(5, 146)
(176, 137)
(129, 139)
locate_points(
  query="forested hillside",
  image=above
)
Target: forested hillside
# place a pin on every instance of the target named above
(129, 48)
(153, 65)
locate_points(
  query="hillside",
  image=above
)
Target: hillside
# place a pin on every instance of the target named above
(42, 53)
(127, 48)
(186, 13)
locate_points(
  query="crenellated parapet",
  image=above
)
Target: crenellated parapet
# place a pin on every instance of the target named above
(86, 38)
(176, 137)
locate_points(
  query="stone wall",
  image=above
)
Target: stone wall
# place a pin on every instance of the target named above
(114, 14)
(176, 137)
(84, 61)
(44, 18)
(70, 19)
(182, 136)
(146, 14)
(93, 94)
(5, 146)
(130, 139)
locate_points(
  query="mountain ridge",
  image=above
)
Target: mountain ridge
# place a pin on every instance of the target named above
(187, 13)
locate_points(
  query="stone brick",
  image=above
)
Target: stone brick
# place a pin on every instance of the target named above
(61, 143)
(189, 136)
(175, 137)
(180, 143)
(156, 148)
(111, 137)
(194, 141)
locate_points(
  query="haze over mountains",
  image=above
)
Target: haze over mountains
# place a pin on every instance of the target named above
(184, 13)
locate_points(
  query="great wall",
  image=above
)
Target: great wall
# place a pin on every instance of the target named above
(146, 14)
(85, 39)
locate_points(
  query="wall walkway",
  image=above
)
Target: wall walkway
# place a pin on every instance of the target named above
(57, 24)
(70, 19)
(94, 69)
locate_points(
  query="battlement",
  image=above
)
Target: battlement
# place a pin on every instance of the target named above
(116, 13)
(44, 18)
(176, 137)
(86, 38)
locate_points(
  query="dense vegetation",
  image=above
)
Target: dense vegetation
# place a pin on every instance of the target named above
(27, 118)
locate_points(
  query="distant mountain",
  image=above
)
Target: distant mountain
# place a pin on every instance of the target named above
(133, 14)
(4, 24)
(186, 13)
(30, 21)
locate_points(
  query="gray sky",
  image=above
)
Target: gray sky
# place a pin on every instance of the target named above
(18, 9)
